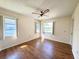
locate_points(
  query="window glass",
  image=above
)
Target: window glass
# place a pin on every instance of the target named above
(47, 28)
(10, 27)
(37, 27)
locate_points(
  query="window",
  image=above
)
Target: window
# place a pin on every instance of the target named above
(48, 28)
(10, 27)
(37, 27)
(45, 27)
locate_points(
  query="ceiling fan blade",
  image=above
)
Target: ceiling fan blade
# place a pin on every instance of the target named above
(43, 15)
(47, 10)
(35, 13)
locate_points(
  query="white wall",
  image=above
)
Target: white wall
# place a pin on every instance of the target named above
(75, 45)
(62, 30)
(25, 29)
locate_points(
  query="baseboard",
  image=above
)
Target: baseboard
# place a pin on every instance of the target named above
(55, 38)
(59, 41)
(17, 44)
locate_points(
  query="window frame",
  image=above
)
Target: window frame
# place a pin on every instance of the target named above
(13, 18)
(36, 28)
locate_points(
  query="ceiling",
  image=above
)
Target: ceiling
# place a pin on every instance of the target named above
(58, 8)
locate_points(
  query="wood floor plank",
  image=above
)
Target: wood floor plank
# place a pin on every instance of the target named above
(36, 49)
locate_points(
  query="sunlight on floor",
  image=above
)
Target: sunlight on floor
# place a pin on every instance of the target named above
(42, 38)
(23, 46)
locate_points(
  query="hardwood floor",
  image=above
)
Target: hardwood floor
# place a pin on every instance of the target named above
(36, 49)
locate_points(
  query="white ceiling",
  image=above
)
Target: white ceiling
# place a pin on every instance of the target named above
(58, 8)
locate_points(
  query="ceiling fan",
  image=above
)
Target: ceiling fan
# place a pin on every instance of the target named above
(42, 12)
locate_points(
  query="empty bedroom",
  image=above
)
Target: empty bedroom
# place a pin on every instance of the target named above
(39, 29)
